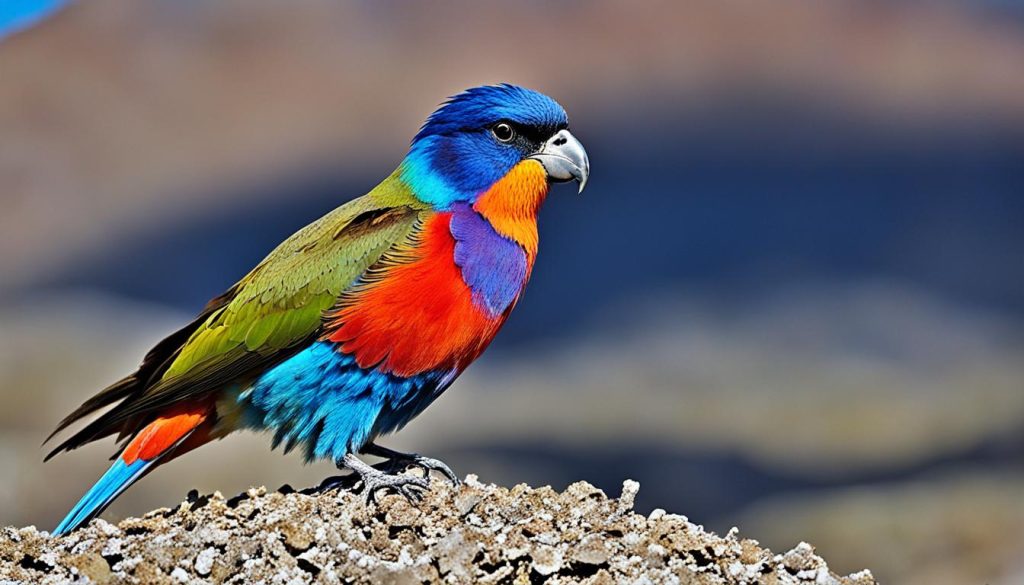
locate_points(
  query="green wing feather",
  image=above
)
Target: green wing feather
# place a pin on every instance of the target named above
(261, 320)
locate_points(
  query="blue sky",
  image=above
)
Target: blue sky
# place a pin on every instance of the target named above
(18, 14)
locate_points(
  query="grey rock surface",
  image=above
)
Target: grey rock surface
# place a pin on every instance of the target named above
(476, 533)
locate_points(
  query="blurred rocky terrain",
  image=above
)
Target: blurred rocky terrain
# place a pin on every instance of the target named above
(791, 299)
(478, 533)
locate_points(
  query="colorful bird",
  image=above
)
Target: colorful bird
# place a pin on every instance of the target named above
(358, 321)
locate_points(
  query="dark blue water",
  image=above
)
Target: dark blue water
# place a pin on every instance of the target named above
(732, 205)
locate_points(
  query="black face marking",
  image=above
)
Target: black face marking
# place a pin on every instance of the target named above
(528, 138)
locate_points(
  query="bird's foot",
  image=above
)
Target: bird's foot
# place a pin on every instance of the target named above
(373, 479)
(428, 464)
(406, 460)
(335, 482)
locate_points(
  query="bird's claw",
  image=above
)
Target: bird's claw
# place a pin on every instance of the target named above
(333, 483)
(409, 486)
(428, 464)
(396, 460)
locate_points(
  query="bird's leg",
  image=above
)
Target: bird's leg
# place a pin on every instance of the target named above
(347, 481)
(427, 464)
(374, 479)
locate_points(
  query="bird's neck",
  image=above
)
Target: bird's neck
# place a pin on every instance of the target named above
(511, 205)
(440, 177)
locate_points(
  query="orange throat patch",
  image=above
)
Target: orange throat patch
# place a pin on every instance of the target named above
(511, 205)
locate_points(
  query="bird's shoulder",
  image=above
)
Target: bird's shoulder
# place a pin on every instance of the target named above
(280, 302)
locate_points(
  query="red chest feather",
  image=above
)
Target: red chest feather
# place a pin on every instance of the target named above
(418, 316)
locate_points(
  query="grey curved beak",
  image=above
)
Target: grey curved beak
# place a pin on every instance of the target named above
(564, 159)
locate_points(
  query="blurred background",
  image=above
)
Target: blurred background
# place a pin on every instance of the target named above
(791, 298)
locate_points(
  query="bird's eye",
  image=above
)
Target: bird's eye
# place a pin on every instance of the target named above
(503, 132)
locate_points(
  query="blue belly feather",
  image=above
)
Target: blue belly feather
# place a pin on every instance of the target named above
(320, 398)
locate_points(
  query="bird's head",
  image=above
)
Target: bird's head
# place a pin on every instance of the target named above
(478, 136)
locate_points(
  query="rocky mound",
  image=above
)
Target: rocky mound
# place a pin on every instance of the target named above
(477, 533)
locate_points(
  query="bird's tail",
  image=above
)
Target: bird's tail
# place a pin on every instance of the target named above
(164, 438)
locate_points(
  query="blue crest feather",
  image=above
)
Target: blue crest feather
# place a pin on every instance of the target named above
(455, 158)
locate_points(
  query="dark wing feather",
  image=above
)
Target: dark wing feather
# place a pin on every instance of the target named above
(265, 318)
(152, 367)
